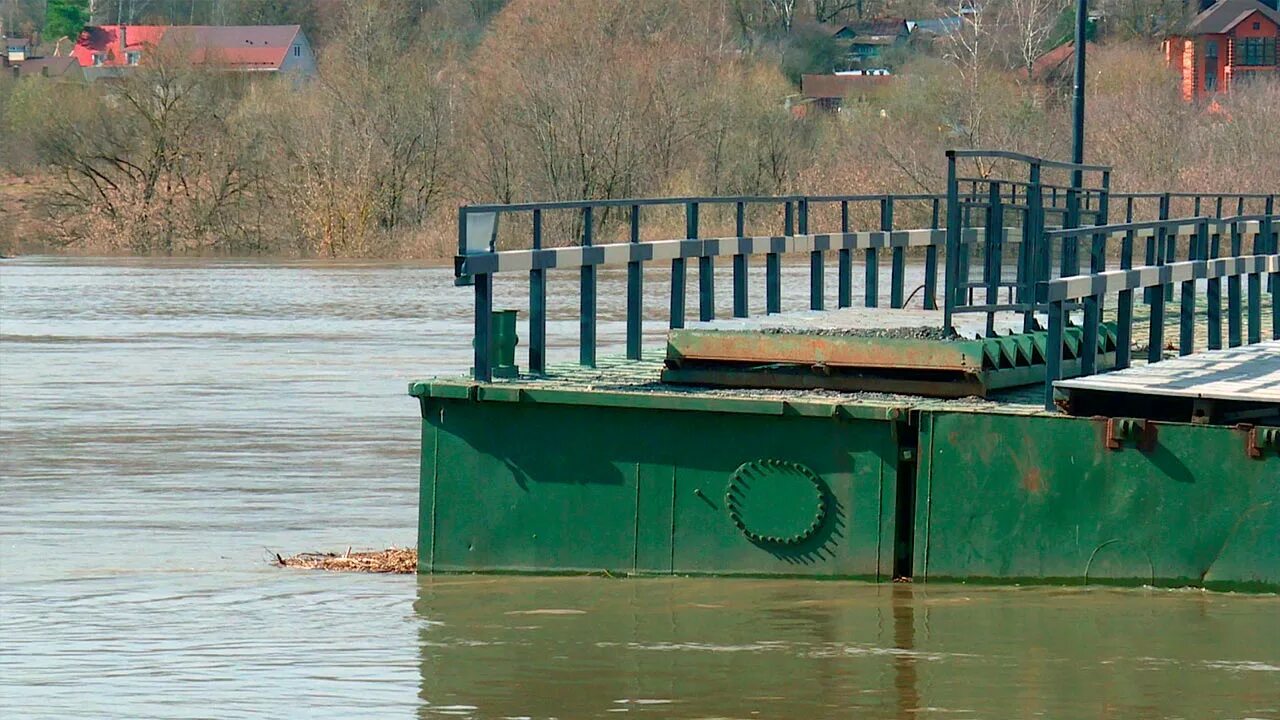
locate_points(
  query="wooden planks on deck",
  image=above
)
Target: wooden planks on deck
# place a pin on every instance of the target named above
(1232, 384)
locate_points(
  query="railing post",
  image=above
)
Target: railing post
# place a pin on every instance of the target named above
(1171, 244)
(993, 249)
(537, 304)
(1124, 303)
(587, 314)
(1234, 333)
(1156, 244)
(635, 294)
(949, 289)
(1053, 351)
(1269, 229)
(931, 263)
(740, 262)
(1155, 331)
(483, 370)
(964, 293)
(1069, 262)
(706, 267)
(773, 264)
(1275, 304)
(844, 263)
(1213, 290)
(1273, 278)
(1187, 301)
(678, 280)
(898, 262)
(1089, 341)
(816, 269)
(1098, 249)
(1255, 308)
(1033, 239)
(871, 259)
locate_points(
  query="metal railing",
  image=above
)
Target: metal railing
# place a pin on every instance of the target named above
(1030, 209)
(479, 260)
(1205, 262)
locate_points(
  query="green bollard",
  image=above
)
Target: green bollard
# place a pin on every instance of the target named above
(502, 346)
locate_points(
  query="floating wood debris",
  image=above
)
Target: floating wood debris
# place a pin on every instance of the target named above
(391, 560)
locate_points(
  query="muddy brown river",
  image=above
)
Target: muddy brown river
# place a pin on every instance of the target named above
(165, 426)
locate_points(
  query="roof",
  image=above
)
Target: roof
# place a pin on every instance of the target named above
(51, 67)
(1225, 15)
(880, 26)
(1057, 60)
(820, 28)
(840, 86)
(247, 47)
(939, 26)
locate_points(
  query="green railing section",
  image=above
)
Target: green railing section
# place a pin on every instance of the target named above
(1091, 292)
(1026, 213)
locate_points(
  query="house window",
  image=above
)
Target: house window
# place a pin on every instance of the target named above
(1210, 65)
(1257, 26)
(297, 51)
(132, 57)
(1256, 51)
(99, 59)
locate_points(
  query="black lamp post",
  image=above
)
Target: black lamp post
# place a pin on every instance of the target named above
(1077, 134)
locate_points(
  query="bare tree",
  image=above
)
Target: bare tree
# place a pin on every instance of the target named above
(784, 12)
(1145, 18)
(1029, 26)
(828, 10)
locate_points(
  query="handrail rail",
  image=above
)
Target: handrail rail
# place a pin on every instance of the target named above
(1156, 194)
(728, 199)
(1029, 159)
(684, 200)
(1177, 223)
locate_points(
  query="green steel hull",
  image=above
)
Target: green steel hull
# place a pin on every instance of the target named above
(538, 477)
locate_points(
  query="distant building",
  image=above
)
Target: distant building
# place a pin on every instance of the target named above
(942, 26)
(1057, 66)
(829, 92)
(868, 39)
(19, 61)
(62, 68)
(16, 50)
(1226, 45)
(112, 50)
(863, 42)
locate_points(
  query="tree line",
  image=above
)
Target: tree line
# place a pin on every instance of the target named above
(418, 107)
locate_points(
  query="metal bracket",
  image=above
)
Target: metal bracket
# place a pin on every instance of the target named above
(1142, 433)
(1259, 439)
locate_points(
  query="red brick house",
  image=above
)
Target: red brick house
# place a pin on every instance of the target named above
(1230, 43)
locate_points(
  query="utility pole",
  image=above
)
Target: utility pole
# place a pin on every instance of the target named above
(1077, 110)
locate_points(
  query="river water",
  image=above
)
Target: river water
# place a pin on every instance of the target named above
(166, 426)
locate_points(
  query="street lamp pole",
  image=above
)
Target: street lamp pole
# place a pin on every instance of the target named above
(1077, 135)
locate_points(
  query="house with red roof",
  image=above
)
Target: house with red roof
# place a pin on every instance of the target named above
(111, 50)
(1228, 44)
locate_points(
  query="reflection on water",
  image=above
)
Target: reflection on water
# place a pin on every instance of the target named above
(694, 648)
(163, 425)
